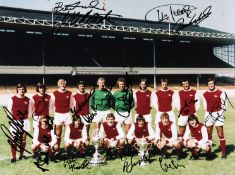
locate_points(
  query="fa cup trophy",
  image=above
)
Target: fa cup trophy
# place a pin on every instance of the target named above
(142, 147)
(96, 158)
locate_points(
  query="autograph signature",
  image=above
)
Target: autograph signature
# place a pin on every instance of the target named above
(181, 15)
(73, 17)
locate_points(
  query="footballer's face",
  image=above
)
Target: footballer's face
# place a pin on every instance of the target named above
(143, 86)
(62, 86)
(110, 121)
(193, 123)
(81, 88)
(77, 122)
(165, 120)
(164, 85)
(211, 85)
(21, 91)
(42, 91)
(140, 123)
(121, 85)
(185, 85)
(44, 124)
(101, 84)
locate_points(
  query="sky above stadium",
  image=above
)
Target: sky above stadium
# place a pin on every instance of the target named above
(214, 14)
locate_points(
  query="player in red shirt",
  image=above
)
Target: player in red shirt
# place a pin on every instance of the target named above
(164, 101)
(43, 136)
(214, 102)
(76, 136)
(62, 103)
(140, 130)
(42, 104)
(143, 100)
(168, 129)
(20, 106)
(199, 137)
(81, 103)
(187, 102)
(111, 134)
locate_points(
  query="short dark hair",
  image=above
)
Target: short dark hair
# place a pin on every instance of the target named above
(140, 117)
(110, 115)
(193, 117)
(165, 80)
(81, 83)
(121, 79)
(211, 79)
(20, 85)
(40, 85)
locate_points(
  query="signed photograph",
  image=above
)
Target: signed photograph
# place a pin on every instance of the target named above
(117, 87)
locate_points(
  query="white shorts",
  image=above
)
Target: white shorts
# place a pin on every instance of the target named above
(183, 120)
(36, 121)
(100, 116)
(170, 113)
(122, 117)
(83, 120)
(62, 119)
(214, 118)
(16, 129)
(147, 117)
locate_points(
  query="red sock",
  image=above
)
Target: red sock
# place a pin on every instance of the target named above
(13, 152)
(223, 146)
(22, 148)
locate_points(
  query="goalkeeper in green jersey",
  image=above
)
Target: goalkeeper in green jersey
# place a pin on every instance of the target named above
(100, 102)
(123, 103)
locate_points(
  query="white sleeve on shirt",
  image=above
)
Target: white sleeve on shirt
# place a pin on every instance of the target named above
(157, 132)
(35, 136)
(154, 100)
(53, 102)
(120, 132)
(174, 133)
(204, 135)
(84, 133)
(152, 103)
(187, 133)
(101, 133)
(174, 102)
(30, 107)
(130, 134)
(9, 105)
(204, 102)
(177, 100)
(151, 132)
(53, 138)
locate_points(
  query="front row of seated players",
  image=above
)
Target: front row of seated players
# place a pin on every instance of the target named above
(112, 136)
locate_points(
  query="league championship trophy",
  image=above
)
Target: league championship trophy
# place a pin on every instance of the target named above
(142, 147)
(96, 158)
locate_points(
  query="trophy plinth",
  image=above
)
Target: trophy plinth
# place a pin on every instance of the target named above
(96, 158)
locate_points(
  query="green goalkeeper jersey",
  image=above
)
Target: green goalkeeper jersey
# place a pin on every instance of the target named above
(123, 101)
(101, 100)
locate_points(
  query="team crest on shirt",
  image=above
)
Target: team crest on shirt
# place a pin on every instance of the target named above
(169, 95)
(190, 95)
(199, 132)
(26, 102)
(147, 95)
(169, 129)
(215, 96)
(67, 96)
(46, 99)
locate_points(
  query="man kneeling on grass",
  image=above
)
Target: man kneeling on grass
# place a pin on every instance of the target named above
(168, 129)
(112, 135)
(44, 138)
(76, 136)
(199, 138)
(139, 131)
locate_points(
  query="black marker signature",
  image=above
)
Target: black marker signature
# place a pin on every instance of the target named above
(15, 137)
(185, 109)
(128, 166)
(166, 166)
(73, 164)
(75, 17)
(181, 15)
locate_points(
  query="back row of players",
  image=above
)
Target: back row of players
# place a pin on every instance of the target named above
(96, 107)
